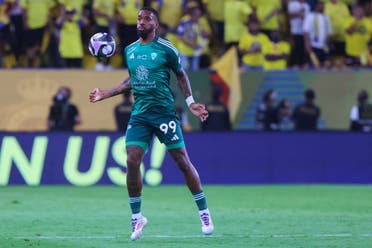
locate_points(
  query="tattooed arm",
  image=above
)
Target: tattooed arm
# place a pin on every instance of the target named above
(198, 109)
(98, 94)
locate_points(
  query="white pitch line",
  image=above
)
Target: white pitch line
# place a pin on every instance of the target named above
(254, 236)
(183, 236)
(67, 237)
(334, 235)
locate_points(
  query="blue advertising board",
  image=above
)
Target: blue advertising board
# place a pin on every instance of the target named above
(89, 158)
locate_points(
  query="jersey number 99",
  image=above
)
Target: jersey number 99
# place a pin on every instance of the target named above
(164, 127)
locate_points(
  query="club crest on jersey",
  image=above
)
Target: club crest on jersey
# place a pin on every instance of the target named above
(153, 56)
(142, 73)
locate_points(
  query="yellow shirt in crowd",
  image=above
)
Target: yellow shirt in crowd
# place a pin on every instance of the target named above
(337, 14)
(70, 43)
(264, 8)
(245, 43)
(37, 12)
(170, 11)
(78, 5)
(129, 9)
(107, 7)
(271, 48)
(236, 16)
(215, 9)
(347, 2)
(356, 43)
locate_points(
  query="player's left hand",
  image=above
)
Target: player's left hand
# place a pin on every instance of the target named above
(199, 110)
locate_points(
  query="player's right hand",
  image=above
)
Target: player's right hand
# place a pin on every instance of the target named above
(96, 95)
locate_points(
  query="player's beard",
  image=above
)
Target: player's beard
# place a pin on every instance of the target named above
(144, 33)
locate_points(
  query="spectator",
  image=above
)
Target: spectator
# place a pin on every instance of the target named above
(216, 17)
(275, 52)
(122, 112)
(250, 46)
(236, 15)
(317, 32)
(126, 13)
(78, 5)
(268, 12)
(16, 20)
(170, 12)
(306, 115)
(5, 33)
(357, 35)
(284, 112)
(338, 12)
(266, 112)
(361, 114)
(297, 10)
(81, 7)
(35, 19)
(219, 116)
(63, 115)
(193, 38)
(70, 41)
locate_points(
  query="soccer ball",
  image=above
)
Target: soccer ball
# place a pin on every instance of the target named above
(102, 45)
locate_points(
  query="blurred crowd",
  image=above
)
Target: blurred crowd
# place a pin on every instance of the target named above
(272, 115)
(269, 34)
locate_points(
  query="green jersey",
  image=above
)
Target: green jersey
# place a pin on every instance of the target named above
(149, 67)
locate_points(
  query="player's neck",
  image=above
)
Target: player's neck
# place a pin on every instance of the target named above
(148, 39)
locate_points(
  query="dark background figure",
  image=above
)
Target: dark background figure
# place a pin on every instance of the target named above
(284, 112)
(16, 21)
(361, 114)
(127, 23)
(63, 115)
(122, 112)
(306, 115)
(219, 116)
(266, 112)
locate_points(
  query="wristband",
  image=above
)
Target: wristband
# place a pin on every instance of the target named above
(190, 100)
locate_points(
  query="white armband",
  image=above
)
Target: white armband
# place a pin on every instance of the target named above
(190, 100)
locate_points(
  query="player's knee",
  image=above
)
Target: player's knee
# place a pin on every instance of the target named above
(133, 162)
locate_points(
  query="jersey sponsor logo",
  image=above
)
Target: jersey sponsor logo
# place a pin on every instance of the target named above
(175, 137)
(142, 57)
(142, 73)
(153, 56)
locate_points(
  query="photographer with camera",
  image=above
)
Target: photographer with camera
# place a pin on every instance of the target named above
(63, 115)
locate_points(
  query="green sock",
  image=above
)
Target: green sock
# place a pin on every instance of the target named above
(200, 200)
(135, 204)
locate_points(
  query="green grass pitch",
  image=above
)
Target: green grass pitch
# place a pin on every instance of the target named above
(244, 216)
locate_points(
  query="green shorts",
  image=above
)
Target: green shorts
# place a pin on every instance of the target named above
(166, 126)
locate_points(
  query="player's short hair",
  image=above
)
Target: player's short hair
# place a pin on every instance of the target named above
(152, 10)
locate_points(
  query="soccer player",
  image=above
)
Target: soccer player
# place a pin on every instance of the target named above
(150, 60)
